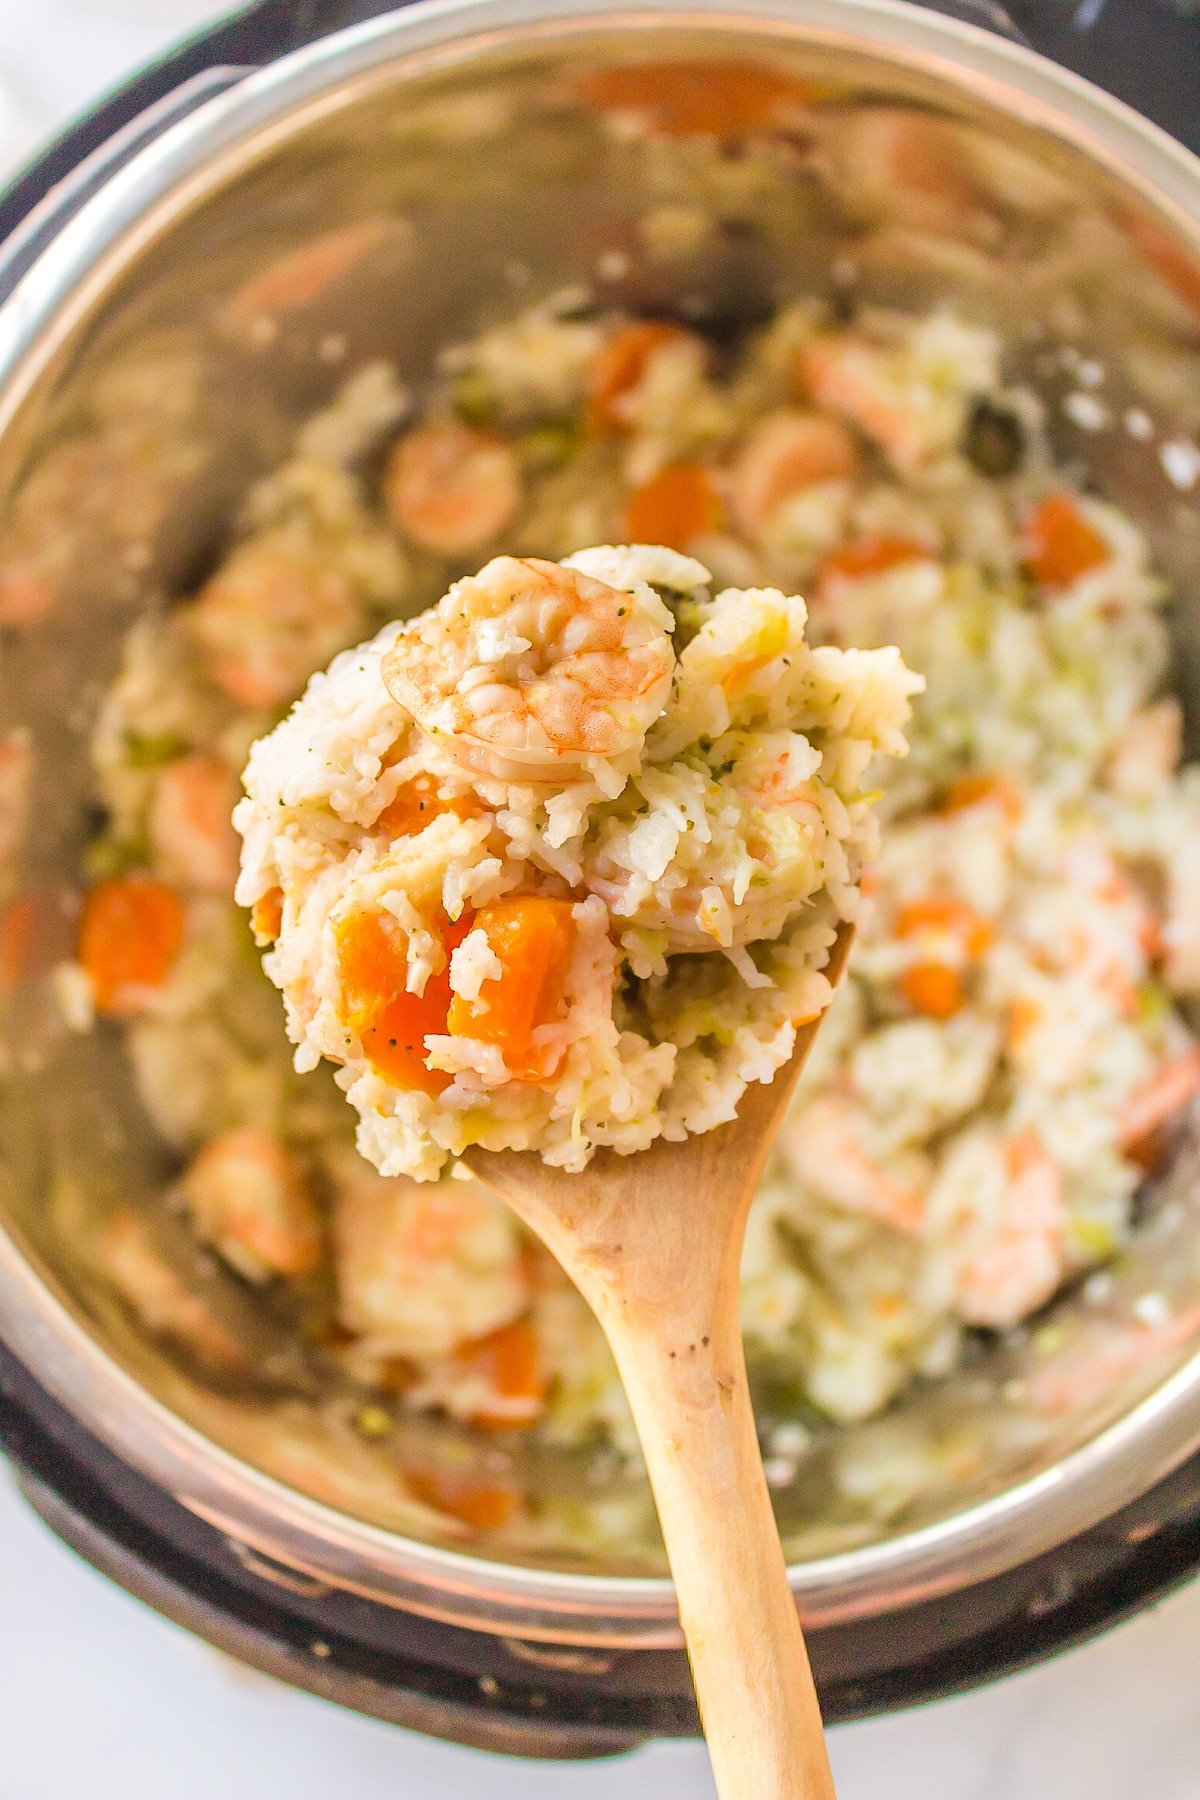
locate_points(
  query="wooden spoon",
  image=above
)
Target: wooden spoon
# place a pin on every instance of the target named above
(654, 1244)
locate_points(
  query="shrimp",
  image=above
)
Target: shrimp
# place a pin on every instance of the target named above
(822, 1144)
(898, 164)
(1177, 267)
(422, 1267)
(529, 670)
(302, 275)
(1020, 1267)
(786, 453)
(247, 1198)
(268, 617)
(1149, 1107)
(450, 487)
(16, 775)
(1107, 945)
(156, 1293)
(909, 397)
(1181, 928)
(1094, 1368)
(865, 383)
(1147, 753)
(41, 536)
(191, 834)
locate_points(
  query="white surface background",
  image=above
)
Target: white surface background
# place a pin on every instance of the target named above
(101, 1700)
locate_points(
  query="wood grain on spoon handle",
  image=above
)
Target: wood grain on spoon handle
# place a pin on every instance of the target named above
(690, 1398)
(654, 1242)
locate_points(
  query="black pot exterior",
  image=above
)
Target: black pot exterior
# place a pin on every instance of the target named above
(497, 1693)
(536, 1700)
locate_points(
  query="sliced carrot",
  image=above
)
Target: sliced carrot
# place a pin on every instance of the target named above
(266, 917)
(415, 806)
(391, 1023)
(17, 920)
(743, 671)
(485, 1506)
(129, 937)
(510, 1365)
(698, 99)
(934, 989)
(1024, 1015)
(870, 556)
(533, 937)
(978, 789)
(1060, 544)
(1151, 1105)
(619, 367)
(674, 507)
(1150, 936)
(945, 914)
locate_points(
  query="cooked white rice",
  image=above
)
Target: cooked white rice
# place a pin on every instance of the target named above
(707, 848)
(997, 1073)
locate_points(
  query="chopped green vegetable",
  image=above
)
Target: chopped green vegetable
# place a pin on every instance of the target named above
(473, 400)
(108, 858)
(155, 751)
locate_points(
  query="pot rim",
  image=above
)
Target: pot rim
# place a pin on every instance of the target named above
(193, 158)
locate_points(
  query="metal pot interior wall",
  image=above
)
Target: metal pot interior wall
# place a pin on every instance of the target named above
(164, 396)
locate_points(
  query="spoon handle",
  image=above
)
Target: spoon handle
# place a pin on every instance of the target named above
(686, 1383)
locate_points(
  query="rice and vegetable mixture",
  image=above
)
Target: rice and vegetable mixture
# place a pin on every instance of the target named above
(996, 1077)
(559, 865)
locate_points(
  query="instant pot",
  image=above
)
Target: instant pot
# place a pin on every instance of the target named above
(240, 145)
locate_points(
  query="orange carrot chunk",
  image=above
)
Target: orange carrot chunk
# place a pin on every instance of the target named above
(945, 914)
(934, 989)
(697, 99)
(619, 367)
(416, 804)
(871, 556)
(129, 937)
(978, 789)
(507, 1360)
(266, 917)
(674, 507)
(533, 938)
(1060, 544)
(391, 1023)
(485, 1506)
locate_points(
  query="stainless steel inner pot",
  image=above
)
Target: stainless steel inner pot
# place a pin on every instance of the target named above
(136, 402)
